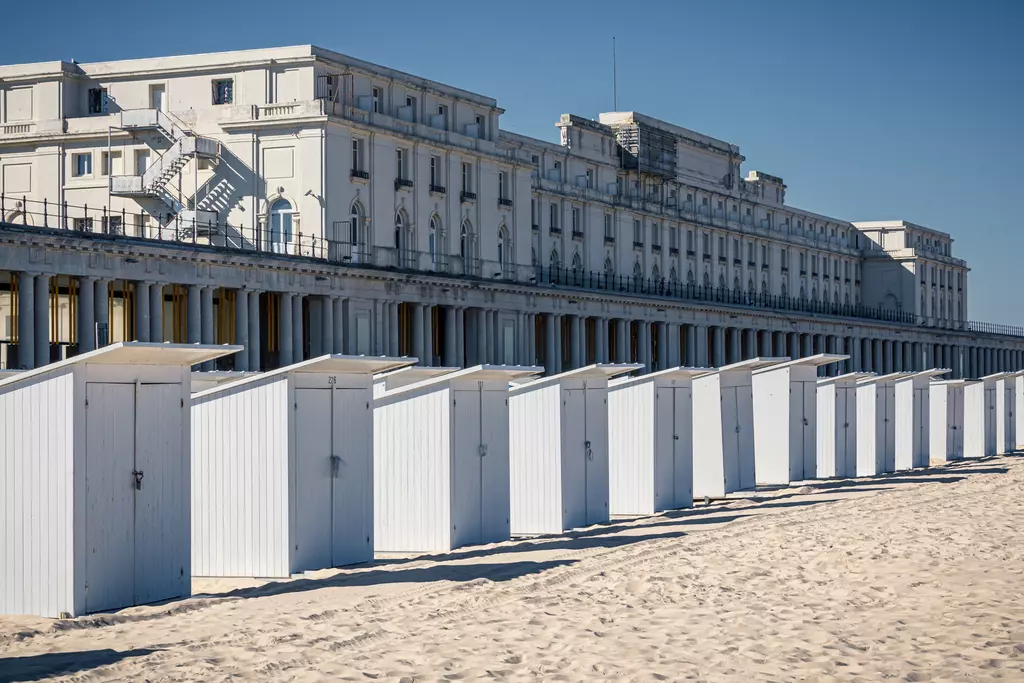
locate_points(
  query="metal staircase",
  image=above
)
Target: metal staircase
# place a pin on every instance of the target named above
(155, 181)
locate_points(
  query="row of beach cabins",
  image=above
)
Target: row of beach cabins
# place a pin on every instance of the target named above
(123, 473)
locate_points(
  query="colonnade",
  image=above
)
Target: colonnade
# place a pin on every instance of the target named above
(302, 326)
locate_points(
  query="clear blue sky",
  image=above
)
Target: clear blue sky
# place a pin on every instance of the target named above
(869, 110)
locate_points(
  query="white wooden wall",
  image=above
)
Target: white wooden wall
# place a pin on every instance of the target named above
(37, 495)
(412, 471)
(535, 459)
(974, 420)
(773, 428)
(708, 437)
(240, 481)
(631, 443)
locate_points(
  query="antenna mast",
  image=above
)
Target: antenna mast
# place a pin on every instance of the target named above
(615, 80)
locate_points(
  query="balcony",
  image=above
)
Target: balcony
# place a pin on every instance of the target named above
(577, 234)
(402, 182)
(438, 189)
(504, 202)
(764, 266)
(803, 272)
(656, 248)
(609, 239)
(536, 228)
(814, 273)
(706, 257)
(673, 251)
(737, 262)
(555, 230)
(722, 259)
(751, 264)
(690, 253)
(785, 269)
(638, 245)
(361, 175)
(467, 196)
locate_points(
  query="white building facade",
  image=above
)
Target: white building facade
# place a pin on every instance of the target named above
(299, 202)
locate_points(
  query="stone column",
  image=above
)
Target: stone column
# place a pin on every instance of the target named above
(241, 358)
(417, 333)
(327, 324)
(718, 346)
(550, 344)
(393, 343)
(806, 345)
(643, 340)
(752, 346)
(628, 347)
(42, 320)
(736, 347)
(575, 341)
(662, 345)
(460, 337)
(26, 320)
(428, 335)
(600, 340)
(766, 344)
(285, 337)
(691, 347)
(897, 357)
(490, 345)
(338, 317)
(449, 337)
(556, 355)
(87, 314)
(194, 315)
(887, 362)
(206, 313)
(102, 304)
(779, 344)
(255, 356)
(141, 311)
(702, 359)
(156, 311)
(876, 357)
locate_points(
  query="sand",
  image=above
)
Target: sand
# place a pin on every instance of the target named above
(914, 577)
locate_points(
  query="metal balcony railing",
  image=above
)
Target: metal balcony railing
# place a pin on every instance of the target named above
(84, 222)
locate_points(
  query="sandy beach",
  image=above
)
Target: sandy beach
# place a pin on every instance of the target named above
(915, 577)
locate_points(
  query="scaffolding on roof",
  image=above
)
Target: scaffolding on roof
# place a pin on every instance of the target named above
(646, 149)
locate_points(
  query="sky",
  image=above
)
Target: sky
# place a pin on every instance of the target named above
(869, 110)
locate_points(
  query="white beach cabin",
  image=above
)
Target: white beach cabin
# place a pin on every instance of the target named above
(559, 449)
(282, 469)
(441, 460)
(876, 424)
(650, 441)
(406, 376)
(785, 418)
(201, 381)
(947, 419)
(1006, 406)
(981, 417)
(1018, 403)
(913, 413)
(723, 428)
(837, 425)
(94, 496)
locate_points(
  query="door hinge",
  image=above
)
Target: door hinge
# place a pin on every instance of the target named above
(182, 403)
(367, 405)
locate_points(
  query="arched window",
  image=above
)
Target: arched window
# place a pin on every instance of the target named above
(609, 268)
(280, 225)
(814, 293)
(803, 292)
(784, 290)
(736, 284)
(721, 281)
(707, 279)
(465, 235)
(356, 233)
(554, 260)
(673, 276)
(750, 285)
(577, 263)
(764, 286)
(533, 256)
(824, 294)
(504, 248)
(846, 299)
(690, 279)
(655, 273)
(835, 297)
(638, 273)
(433, 235)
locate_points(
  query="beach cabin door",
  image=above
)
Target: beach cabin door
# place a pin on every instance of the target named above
(480, 495)
(331, 476)
(135, 465)
(803, 401)
(674, 474)
(954, 431)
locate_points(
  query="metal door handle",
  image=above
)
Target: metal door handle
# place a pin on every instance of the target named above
(590, 452)
(737, 429)
(482, 450)
(806, 422)
(335, 465)
(675, 437)
(138, 474)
